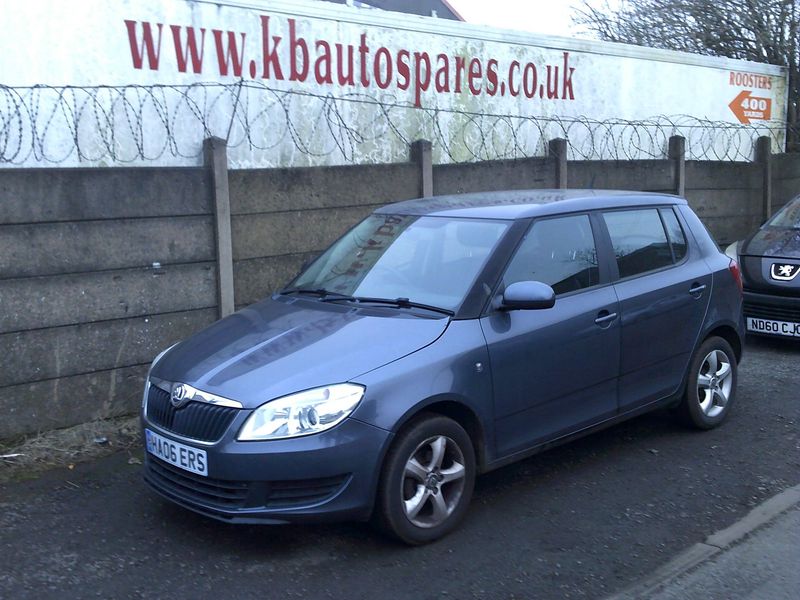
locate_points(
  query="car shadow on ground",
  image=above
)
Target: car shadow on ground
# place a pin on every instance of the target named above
(779, 344)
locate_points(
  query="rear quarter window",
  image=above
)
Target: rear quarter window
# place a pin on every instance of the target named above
(708, 246)
(675, 232)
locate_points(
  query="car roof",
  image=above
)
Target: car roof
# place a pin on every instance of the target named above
(521, 204)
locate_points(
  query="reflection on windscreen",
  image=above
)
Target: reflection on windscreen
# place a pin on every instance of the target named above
(432, 260)
(788, 216)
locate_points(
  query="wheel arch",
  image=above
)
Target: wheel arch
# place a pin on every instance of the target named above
(459, 412)
(730, 335)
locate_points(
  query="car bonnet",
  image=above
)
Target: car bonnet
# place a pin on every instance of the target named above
(281, 346)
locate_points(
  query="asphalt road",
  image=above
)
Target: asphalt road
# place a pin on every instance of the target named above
(579, 521)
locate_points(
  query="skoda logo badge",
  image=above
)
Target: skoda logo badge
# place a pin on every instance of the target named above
(784, 271)
(179, 396)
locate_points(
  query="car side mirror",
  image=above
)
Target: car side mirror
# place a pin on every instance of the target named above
(528, 295)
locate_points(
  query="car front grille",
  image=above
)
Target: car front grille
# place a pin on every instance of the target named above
(232, 495)
(197, 420)
(770, 311)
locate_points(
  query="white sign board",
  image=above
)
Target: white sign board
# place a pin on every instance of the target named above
(142, 82)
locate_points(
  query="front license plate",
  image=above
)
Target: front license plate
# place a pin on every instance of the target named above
(773, 327)
(180, 455)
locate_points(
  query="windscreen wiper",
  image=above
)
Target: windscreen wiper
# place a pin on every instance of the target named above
(329, 296)
(321, 292)
(399, 302)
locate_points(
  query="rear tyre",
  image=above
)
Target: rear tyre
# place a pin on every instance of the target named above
(427, 480)
(711, 386)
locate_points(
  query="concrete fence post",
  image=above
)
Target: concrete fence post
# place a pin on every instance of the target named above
(557, 149)
(764, 158)
(677, 155)
(215, 155)
(421, 153)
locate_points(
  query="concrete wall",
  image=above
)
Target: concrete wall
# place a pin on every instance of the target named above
(83, 311)
(647, 175)
(527, 173)
(727, 196)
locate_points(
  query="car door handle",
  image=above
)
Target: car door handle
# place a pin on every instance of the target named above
(697, 289)
(604, 317)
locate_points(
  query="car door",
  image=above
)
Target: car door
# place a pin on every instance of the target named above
(663, 287)
(554, 370)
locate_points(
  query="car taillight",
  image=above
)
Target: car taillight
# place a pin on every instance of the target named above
(733, 267)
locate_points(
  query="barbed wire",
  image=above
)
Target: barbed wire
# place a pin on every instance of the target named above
(272, 127)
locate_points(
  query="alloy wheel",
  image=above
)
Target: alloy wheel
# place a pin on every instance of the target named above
(433, 481)
(714, 382)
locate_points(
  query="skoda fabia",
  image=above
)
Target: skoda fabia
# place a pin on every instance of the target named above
(438, 339)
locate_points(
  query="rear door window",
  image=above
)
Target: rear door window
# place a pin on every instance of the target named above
(639, 240)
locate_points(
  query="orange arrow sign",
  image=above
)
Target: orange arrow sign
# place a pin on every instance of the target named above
(746, 107)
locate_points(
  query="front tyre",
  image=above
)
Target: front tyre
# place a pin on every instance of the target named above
(427, 480)
(711, 387)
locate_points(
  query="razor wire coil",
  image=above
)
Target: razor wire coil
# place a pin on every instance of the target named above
(119, 125)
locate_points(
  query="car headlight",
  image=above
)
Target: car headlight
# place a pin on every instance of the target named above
(304, 413)
(732, 251)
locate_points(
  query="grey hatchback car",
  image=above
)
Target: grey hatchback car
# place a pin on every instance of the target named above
(438, 339)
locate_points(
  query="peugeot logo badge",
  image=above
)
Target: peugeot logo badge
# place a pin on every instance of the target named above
(179, 396)
(784, 271)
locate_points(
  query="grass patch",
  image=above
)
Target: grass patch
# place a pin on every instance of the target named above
(27, 457)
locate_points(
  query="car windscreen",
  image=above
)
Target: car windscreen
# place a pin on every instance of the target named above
(429, 260)
(788, 216)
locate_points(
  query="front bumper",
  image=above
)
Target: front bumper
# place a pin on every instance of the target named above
(758, 305)
(323, 477)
